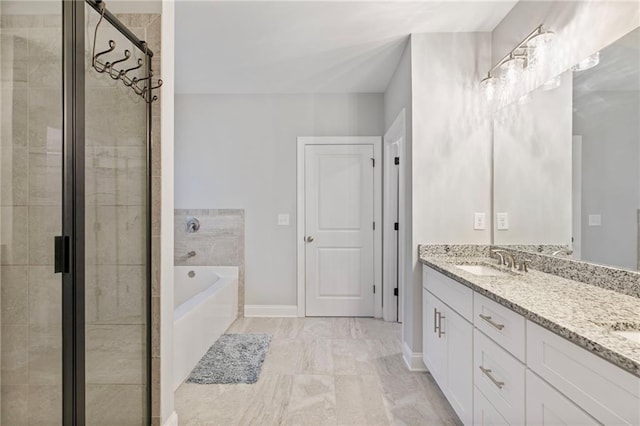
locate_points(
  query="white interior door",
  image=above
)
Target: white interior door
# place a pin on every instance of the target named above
(339, 234)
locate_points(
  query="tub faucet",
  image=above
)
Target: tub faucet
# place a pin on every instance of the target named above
(192, 253)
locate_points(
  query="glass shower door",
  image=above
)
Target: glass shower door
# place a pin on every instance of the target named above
(30, 214)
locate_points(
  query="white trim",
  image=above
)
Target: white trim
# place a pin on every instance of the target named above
(396, 134)
(172, 420)
(271, 311)
(413, 360)
(376, 141)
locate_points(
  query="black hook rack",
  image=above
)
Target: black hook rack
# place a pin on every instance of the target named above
(141, 86)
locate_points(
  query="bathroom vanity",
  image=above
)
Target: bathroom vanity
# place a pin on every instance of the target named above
(513, 347)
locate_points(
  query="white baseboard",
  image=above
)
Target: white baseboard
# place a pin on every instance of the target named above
(412, 359)
(172, 420)
(271, 311)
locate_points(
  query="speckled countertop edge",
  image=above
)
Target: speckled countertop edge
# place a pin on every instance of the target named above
(528, 296)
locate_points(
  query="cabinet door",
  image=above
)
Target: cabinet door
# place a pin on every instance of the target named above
(432, 346)
(547, 406)
(458, 338)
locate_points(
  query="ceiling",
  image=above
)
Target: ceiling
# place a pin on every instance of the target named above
(309, 46)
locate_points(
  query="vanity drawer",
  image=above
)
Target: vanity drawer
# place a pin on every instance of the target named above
(503, 325)
(456, 295)
(606, 392)
(500, 378)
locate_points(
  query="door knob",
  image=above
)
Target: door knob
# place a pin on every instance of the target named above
(309, 239)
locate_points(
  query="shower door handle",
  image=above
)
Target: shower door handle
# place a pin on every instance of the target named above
(61, 262)
(309, 239)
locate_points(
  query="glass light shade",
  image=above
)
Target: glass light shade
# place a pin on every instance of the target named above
(525, 99)
(511, 69)
(540, 40)
(490, 86)
(588, 62)
(539, 48)
(552, 84)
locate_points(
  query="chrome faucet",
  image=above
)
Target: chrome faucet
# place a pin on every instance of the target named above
(192, 253)
(524, 265)
(500, 254)
(564, 251)
(510, 260)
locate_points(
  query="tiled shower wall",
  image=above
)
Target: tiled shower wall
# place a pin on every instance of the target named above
(219, 242)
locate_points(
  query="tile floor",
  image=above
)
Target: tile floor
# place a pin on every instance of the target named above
(322, 371)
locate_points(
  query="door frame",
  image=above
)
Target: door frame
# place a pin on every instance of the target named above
(302, 142)
(395, 134)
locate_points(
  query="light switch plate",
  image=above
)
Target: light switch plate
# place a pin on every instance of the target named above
(479, 221)
(595, 220)
(502, 221)
(283, 219)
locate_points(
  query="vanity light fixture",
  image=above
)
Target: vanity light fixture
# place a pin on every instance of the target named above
(528, 53)
(588, 62)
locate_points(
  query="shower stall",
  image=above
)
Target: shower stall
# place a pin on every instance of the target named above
(75, 226)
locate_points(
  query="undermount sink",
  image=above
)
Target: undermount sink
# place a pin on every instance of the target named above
(634, 336)
(483, 270)
(630, 331)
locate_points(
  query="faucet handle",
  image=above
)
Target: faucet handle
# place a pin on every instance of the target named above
(524, 265)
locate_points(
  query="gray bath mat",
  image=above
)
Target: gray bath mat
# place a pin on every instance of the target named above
(233, 358)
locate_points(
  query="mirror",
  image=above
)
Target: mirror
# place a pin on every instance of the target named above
(567, 162)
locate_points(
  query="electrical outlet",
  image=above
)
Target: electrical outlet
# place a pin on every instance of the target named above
(595, 220)
(502, 221)
(479, 221)
(283, 219)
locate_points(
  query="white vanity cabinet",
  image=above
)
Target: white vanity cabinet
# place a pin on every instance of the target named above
(447, 338)
(496, 367)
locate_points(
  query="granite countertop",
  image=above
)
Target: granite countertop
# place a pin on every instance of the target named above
(582, 313)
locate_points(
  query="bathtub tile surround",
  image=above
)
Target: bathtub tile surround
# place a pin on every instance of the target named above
(219, 242)
(362, 380)
(580, 312)
(233, 358)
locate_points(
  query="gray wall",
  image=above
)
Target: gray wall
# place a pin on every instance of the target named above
(239, 152)
(451, 152)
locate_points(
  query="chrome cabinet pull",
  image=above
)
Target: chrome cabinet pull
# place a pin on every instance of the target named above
(492, 322)
(487, 372)
(440, 332)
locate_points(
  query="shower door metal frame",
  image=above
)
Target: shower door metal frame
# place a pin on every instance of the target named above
(73, 209)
